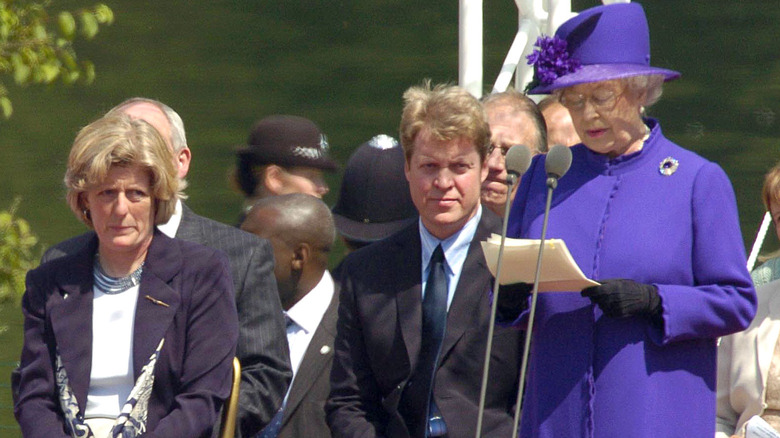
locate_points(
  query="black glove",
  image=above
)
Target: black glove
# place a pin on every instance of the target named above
(512, 301)
(619, 298)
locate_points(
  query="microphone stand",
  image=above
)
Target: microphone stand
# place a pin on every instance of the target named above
(552, 183)
(511, 180)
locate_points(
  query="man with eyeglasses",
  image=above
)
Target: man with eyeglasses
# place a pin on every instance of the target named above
(514, 119)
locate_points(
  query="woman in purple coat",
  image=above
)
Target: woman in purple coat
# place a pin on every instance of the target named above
(655, 224)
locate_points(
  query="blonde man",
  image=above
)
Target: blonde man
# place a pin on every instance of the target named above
(414, 307)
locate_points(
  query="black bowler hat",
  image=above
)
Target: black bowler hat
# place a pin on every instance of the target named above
(290, 141)
(374, 200)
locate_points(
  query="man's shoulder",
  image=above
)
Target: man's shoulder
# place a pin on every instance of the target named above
(208, 232)
(387, 246)
(489, 223)
(384, 258)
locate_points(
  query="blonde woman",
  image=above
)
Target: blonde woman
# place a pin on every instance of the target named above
(133, 335)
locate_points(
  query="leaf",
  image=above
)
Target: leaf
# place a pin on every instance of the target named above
(21, 73)
(89, 25)
(69, 60)
(5, 107)
(104, 14)
(71, 77)
(50, 71)
(39, 32)
(67, 25)
(89, 71)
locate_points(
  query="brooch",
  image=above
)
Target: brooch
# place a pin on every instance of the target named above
(668, 166)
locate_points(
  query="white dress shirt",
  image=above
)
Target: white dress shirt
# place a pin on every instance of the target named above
(455, 247)
(111, 377)
(306, 315)
(172, 226)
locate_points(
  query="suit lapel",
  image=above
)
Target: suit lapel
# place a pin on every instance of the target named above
(71, 320)
(409, 300)
(318, 354)
(466, 307)
(157, 300)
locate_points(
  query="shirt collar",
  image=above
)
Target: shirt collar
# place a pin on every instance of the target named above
(309, 310)
(169, 228)
(455, 247)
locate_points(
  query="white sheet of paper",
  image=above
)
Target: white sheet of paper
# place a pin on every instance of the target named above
(756, 427)
(560, 272)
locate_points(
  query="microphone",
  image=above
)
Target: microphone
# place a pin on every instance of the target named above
(517, 162)
(556, 164)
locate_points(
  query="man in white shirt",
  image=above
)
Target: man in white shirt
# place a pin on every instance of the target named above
(414, 307)
(301, 231)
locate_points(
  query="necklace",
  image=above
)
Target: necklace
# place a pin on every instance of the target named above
(114, 285)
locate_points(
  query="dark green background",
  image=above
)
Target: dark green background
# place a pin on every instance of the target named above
(224, 64)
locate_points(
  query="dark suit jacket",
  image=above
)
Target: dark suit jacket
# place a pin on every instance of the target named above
(378, 342)
(262, 344)
(304, 415)
(199, 325)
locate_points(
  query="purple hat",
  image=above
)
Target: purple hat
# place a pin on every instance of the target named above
(599, 44)
(374, 201)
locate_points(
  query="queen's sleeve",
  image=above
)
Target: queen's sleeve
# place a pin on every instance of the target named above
(722, 299)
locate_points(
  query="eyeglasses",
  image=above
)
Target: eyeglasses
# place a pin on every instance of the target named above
(602, 99)
(505, 149)
(501, 149)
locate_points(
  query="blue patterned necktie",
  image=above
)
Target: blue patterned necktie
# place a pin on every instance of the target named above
(272, 429)
(418, 396)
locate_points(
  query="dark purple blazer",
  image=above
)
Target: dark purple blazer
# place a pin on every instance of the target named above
(199, 324)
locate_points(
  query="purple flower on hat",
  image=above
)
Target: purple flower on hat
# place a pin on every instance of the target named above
(550, 60)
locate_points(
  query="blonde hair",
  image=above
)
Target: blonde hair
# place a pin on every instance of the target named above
(118, 140)
(770, 192)
(447, 112)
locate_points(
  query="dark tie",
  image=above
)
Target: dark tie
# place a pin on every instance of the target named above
(417, 404)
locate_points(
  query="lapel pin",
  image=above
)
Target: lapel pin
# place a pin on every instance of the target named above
(668, 166)
(325, 349)
(155, 301)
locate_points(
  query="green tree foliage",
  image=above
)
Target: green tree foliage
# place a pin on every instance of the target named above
(36, 45)
(19, 252)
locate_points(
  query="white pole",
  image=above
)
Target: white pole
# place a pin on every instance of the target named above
(513, 57)
(470, 46)
(759, 240)
(559, 12)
